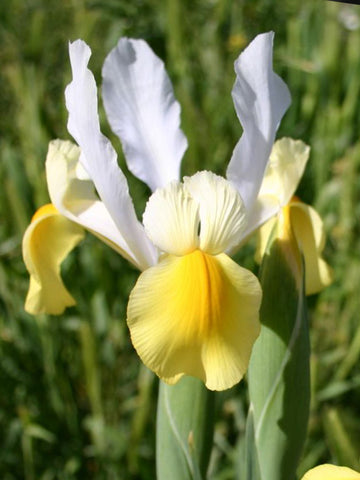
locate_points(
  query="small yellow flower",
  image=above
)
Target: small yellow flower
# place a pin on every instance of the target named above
(331, 472)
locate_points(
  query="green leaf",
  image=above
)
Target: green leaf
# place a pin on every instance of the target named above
(185, 425)
(279, 374)
(37, 431)
(251, 460)
(340, 438)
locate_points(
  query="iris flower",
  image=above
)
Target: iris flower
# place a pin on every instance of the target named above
(331, 472)
(288, 159)
(193, 310)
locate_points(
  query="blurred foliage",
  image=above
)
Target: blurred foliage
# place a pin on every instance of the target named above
(75, 402)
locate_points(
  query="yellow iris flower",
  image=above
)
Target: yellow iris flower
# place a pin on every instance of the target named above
(193, 310)
(212, 304)
(331, 472)
(306, 226)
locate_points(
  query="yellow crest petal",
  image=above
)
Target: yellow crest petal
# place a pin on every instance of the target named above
(171, 220)
(309, 232)
(205, 212)
(196, 315)
(69, 185)
(286, 166)
(331, 472)
(221, 209)
(46, 242)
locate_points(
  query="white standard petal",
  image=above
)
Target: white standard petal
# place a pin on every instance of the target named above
(98, 156)
(142, 110)
(73, 194)
(261, 99)
(221, 209)
(171, 220)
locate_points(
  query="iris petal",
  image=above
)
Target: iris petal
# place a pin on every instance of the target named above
(331, 472)
(282, 176)
(196, 315)
(74, 195)
(171, 220)
(221, 209)
(99, 158)
(261, 99)
(142, 110)
(206, 212)
(46, 243)
(286, 166)
(309, 232)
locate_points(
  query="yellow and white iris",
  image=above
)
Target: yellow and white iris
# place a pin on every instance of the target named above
(331, 472)
(193, 310)
(196, 311)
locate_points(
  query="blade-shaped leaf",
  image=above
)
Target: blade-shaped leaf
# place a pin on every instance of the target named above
(279, 378)
(185, 427)
(340, 438)
(248, 467)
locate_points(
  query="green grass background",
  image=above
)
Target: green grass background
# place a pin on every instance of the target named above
(74, 401)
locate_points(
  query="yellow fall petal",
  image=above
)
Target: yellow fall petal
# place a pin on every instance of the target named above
(47, 241)
(309, 232)
(196, 315)
(331, 472)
